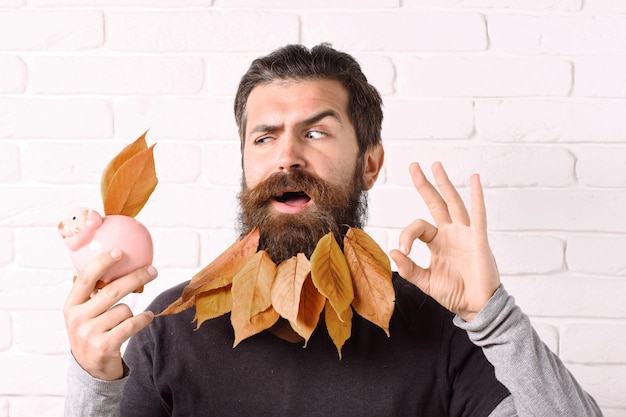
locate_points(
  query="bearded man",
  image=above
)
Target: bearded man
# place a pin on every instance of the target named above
(457, 345)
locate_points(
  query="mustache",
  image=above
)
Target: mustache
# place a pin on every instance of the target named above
(294, 181)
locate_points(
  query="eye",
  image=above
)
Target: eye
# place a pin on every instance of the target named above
(262, 140)
(314, 134)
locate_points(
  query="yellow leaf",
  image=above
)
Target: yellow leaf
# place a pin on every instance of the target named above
(120, 159)
(339, 327)
(290, 276)
(252, 286)
(245, 328)
(374, 295)
(131, 185)
(213, 304)
(311, 306)
(330, 273)
(367, 243)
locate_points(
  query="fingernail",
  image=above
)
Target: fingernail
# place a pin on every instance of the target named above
(116, 253)
(152, 271)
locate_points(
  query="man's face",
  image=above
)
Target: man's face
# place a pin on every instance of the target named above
(302, 175)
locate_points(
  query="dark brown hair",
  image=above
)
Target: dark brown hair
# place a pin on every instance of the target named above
(297, 63)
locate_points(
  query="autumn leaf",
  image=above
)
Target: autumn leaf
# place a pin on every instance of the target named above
(311, 306)
(330, 273)
(339, 327)
(130, 184)
(120, 159)
(245, 328)
(374, 295)
(287, 287)
(212, 304)
(252, 285)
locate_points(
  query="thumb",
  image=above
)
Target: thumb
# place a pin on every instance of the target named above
(409, 270)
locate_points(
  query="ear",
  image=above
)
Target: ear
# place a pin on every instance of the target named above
(372, 163)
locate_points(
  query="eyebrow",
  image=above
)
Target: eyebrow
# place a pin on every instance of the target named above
(309, 121)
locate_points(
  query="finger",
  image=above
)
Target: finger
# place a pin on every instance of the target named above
(419, 229)
(410, 271)
(111, 318)
(479, 211)
(129, 327)
(456, 207)
(120, 288)
(85, 283)
(436, 204)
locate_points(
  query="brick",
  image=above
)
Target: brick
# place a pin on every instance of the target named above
(214, 242)
(6, 330)
(601, 166)
(564, 295)
(40, 332)
(304, 4)
(224, 71)
(498, 165)
(412, 31)
(41, 248)
(6, 247)
(56, 30)
(605, 6)
(117, 75)
(606, 383)
(11, 4)
(177, 162)
(600, 77)
(540, 5)
(550, 121)
(593, 342)
(176, 117)
(12, 75)
(46, 118)
(34, 290)
(484, 77)
(175, 248)
(141, 3)
(21, 374)
(200, 30)
(427, 119)
(591, 210)
(557, 35)
(379, 70)
(548, 334)
(9, 163)
(221, 163)
(524, 254)
(24, 406)
(606, 257)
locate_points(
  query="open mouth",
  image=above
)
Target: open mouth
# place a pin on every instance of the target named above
(293, 198)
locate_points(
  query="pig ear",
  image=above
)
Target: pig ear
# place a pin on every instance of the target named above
(93, 219)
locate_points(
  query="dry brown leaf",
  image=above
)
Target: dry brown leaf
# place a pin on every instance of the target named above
(120, 159)
(246, 328)
(131, 185)
(287, 287)
(311, 306)
(366, 242)
(374, 295)
(330, 273)
(339, 327)
(212, 304)
(252, 286)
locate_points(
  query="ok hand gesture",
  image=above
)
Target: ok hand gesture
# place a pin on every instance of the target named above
(462, 275)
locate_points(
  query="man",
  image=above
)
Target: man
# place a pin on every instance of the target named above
(310, 127)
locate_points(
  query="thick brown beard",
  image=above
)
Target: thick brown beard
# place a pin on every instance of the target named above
(285, 235)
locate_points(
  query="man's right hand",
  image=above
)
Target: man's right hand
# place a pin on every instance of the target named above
(96, 324)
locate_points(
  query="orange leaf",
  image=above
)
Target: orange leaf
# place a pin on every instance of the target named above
(120, 159)
(339, 327)
(330, 273)
(245, 328)
(252, 286)
(213, 304)
(374, 295)
(290, 276)
(366, 242)
(311, 306)
(131, 185)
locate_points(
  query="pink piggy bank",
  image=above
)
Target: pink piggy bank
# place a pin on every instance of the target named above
(87, 234)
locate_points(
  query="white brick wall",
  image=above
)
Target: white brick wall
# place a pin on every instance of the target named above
(529, 93)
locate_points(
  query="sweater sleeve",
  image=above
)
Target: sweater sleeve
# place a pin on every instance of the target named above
(539, 383)
(91, 397)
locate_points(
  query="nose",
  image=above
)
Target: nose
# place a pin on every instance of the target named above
(291, 155)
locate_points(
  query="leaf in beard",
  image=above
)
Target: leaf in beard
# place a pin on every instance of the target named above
(252, 286)
(309, 311)
(330, 273)
(245, 328)
(287, 287)
(339, 326)
(218, 273)
(212, 304)
(374, 295)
